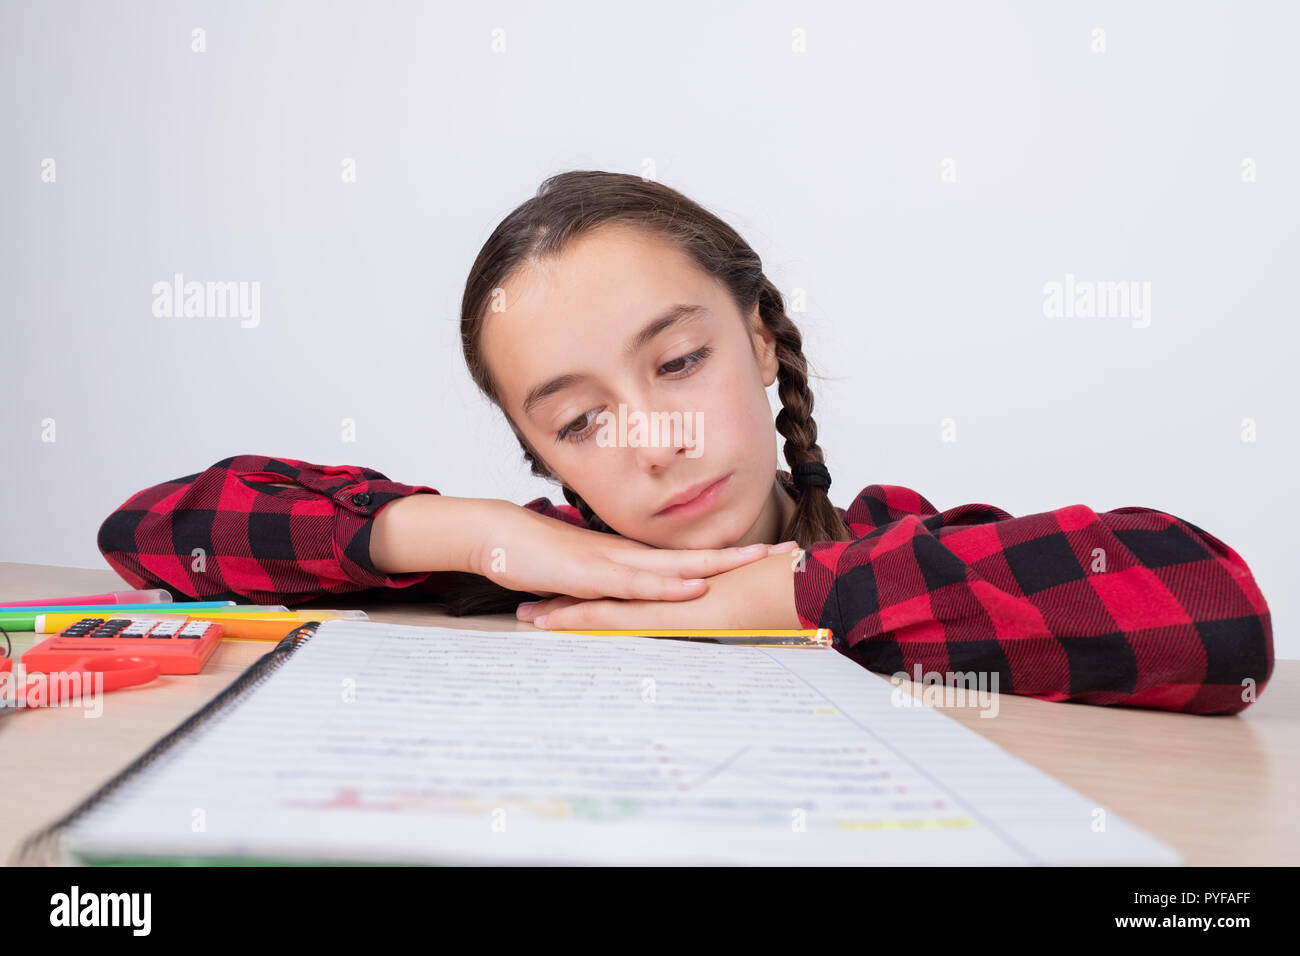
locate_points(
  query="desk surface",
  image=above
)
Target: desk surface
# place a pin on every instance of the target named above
(1221, 790)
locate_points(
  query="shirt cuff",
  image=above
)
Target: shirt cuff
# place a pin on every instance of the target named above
(354, 519)
(816, 599)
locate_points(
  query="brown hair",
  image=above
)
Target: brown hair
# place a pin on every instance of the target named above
(570, 204)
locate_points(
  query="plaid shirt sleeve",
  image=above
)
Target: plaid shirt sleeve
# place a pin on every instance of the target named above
(226, 533)
(1132, 607)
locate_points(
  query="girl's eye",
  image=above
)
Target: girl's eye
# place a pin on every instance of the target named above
(580, 435)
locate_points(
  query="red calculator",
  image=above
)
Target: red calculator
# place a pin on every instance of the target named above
(177, 644)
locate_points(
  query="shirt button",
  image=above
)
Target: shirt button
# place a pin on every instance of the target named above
(361, 498)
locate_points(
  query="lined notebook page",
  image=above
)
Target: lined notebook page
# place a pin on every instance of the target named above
(393, 743)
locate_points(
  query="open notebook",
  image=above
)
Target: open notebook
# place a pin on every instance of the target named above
(374, 742)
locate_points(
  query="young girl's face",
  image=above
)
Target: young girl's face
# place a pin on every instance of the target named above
(573, 338)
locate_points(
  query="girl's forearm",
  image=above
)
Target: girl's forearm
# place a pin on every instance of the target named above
(425, 532)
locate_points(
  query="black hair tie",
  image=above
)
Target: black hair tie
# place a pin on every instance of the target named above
(811, 474)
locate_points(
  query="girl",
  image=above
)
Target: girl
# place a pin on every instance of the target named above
(605, 298)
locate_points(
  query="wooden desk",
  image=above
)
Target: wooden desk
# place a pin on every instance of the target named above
(1221, 790)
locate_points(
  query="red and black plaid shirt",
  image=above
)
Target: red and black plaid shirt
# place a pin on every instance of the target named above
(1131, 606)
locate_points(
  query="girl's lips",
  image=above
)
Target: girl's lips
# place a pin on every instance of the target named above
(701, 503)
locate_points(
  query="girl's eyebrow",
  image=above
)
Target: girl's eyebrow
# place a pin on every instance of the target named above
(675, 315)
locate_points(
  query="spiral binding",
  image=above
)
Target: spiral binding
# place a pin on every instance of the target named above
(42, 849)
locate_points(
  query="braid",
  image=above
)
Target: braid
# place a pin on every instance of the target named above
(815, 518)
(592, 519)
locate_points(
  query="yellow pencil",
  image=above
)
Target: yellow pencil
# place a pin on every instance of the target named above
(814, 637)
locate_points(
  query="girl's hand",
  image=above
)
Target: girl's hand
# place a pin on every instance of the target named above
(757, 595)
(525, 551)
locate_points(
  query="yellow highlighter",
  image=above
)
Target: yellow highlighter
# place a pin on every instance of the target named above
(236, 625)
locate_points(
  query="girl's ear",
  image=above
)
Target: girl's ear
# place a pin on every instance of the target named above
(764, 347)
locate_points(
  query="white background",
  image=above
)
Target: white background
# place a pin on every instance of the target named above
(924, 297)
